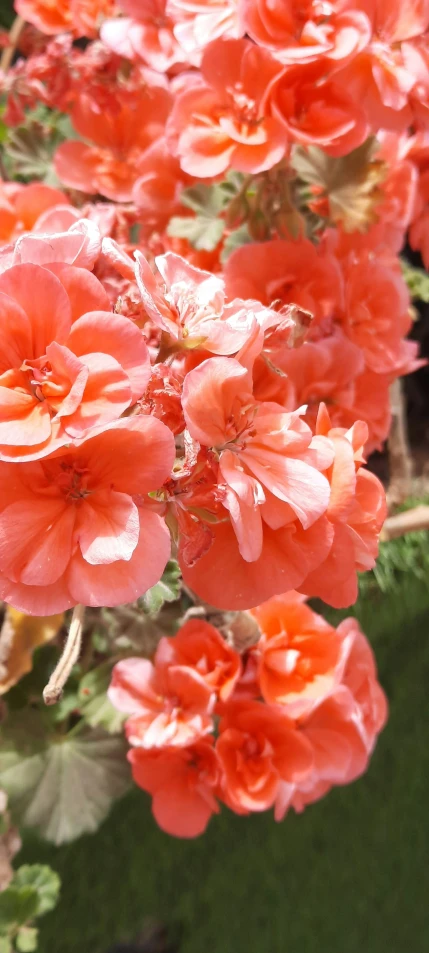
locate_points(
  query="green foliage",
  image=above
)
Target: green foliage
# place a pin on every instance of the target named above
(28, 149)
(166, 590)
(27, 939)
(41, 879)
(417, 281)
(350, 182)
(63, 785)
(204, 230)
(238, 237)
(94, 704)
(33, 891)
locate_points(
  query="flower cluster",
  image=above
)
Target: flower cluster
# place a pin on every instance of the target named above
(108, 452)
(202, 313)
(278, 727)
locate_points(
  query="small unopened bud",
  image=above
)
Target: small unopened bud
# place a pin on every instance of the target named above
(241, 631)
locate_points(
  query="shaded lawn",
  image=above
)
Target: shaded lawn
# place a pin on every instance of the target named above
(349, 875)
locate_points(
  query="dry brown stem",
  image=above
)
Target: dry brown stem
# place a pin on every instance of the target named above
(54, 689)
(9, 50)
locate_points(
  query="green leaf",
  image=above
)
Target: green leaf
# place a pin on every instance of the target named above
(350, 182)
(42, 879)
(205, 230)
(238, 237)
(64, 787)
(26, 941)
(94, 704)
(166, 590)
(202, 232)
(17, 906)
(5, 944)
(206, 200)
(417, 281)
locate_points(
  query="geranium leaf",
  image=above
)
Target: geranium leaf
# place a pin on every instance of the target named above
(62, 785)
(206, 200)
(44, 880)
(26, 941)
(417, 281)
(17, 906)
(349, 184)
(202, 232)
(166, 590)
(94, 704)
(239, 236)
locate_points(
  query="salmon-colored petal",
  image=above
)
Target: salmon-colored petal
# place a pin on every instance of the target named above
(225, 580)
(57, 219)
(208, 395)
(295, 482)
(107, 527)
(24, 420)
(15, 331)
(134, 455)
(69, 372)
(123, 581)
(76, 165)
(43, 299)
(244, 496)
(35, 544)
(35, 199)
(85, 291)
(133, 686)
(107, 394)
(181, 811)
(36, 600)
(119, 337)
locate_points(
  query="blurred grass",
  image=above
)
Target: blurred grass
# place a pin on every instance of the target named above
(349, 875)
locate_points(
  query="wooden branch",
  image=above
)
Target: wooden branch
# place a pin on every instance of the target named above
(410, 521)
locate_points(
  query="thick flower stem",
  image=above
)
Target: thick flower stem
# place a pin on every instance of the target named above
(53, 691)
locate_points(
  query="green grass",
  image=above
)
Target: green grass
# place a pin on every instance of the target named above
(350, 875)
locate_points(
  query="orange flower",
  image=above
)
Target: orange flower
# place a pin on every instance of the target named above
(144, 33)
(360, 677)
(317, 111)
(258, 748)
(24, 208)
(199, 645)
(377, 313)
(299, 654)
(77, 526)
(357, 510)
(273, 489)
(220, 121)
(183, 784)
(302, 32)
(121, 131)
(168, 704)
(288, 272)
(156, 192)
(61, 371)
(83, 17)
